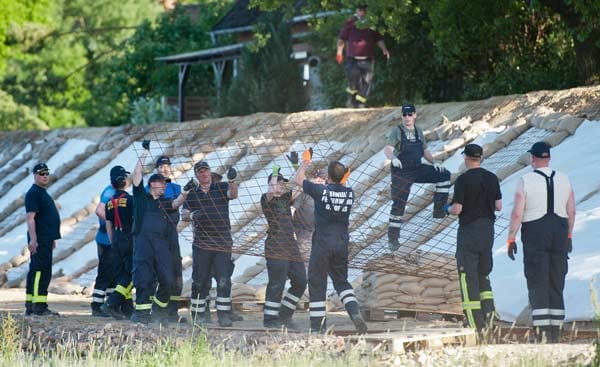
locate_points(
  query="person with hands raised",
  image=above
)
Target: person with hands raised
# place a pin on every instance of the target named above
(329, 256)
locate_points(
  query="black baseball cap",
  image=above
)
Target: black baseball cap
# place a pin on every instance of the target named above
(408, 108)
(163, 159)
(473, 151)
(540, 150)
(279, 178)
(362, 6)
(157, 177)
(40, 167)
(118, 172)
(202, 164)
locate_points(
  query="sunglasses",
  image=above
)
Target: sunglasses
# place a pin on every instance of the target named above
(407, 114)
(43, 173)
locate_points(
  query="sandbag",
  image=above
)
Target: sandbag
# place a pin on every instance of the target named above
(434, 283)
(411, 288)
(434, 292)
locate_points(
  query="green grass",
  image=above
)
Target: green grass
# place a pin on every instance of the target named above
(18, 348)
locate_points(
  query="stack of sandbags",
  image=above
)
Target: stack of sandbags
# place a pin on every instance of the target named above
(409, 292)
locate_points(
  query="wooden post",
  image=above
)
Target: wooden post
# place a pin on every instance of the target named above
(183, 73)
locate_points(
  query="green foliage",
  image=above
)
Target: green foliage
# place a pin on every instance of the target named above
(14, 116)
(269, 79)
(152, 110)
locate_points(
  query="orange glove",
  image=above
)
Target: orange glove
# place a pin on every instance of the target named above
(307, 155)
(346, 176)
(339, 59)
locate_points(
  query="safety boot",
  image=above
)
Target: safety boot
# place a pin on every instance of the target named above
(127, 308)
(393, 235)
(272, 323)
(100, 311)
(113, 310)
(140, 317)
(359, 324)
(438, 209)
(225, 320)
(201, 318)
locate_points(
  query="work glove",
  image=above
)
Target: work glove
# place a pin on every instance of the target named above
(512, 249)
(439, 167)
(346, 176)
(307, 155)
(396, 163)
(146, 144)
(293, 158)
(569, 243)
(190, 185)
(275, 170)
(447, 208)
(231, 174)
(339, 58)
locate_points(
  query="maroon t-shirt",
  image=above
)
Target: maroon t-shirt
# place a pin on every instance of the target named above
(359, 42)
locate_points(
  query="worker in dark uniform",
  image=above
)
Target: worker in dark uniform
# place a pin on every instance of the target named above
(151, 255)
(329, 255)
(105, 277)
(406, 147)
(476, 196)
(119, 223)
(209, 207)
(304, 216)
(172, 191)
(360, 55)
(43, 229)
(544, 208)
(282, 253)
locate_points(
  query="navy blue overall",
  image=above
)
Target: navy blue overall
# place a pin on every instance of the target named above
(282, 253)
(413, 171)
(329, 254)
(151, 255)
(545, 258)
(119, 211)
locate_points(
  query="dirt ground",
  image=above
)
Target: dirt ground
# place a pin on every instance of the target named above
(75, 325)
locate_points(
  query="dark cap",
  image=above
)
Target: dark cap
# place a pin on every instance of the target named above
(473, 151)
(163, 159)
(408, 108)
(40, 167)
(118, 172)
(157, 177)
(362, 6)
(279, 178)
(540, 150)
(202, 164)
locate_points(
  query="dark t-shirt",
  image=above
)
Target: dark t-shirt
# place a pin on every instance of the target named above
(210, 214)
(123, 202)
(47, 219)
(477, 190)
(333, 203)
(279, 216)
(143, 202)
(360, 41)
(172, 191)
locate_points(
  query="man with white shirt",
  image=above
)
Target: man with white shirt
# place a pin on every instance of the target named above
(544, 208)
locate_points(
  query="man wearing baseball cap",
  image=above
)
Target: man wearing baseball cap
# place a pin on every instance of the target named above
(172, 191)
(476, 197)
(406, 147)
(104, 284)
(544, 209)
(43, 229)
(208, 203)
(282, 253)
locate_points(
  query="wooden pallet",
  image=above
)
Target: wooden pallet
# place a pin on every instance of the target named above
(385, 314)
(401, 341)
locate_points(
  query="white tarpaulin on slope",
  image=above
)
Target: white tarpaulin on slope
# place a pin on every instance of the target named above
(578, 157)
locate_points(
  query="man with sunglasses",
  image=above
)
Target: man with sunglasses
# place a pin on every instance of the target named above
(360, 54)
(406, 147)
(43, 229)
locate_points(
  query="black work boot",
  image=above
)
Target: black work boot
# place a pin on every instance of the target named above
(100, 311)
(393, 235)
(274, 323)
(359, 323)
(127, 308)
(142, 317)
(113, 310)
(438, 209)
(201, 318)
(225, 319)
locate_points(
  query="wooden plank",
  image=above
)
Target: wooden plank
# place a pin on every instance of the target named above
(401, 341)
(387, 313)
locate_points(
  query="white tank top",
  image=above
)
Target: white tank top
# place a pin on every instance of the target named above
(536, 200)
